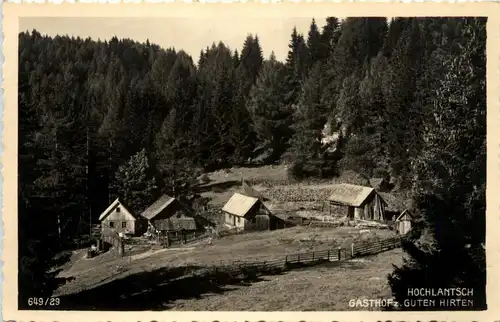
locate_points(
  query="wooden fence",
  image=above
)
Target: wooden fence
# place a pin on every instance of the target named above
(184, 238)
(370, 248)
(303, 259)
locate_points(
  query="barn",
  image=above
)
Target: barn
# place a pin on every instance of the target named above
(362, 202)
(167, 214)
(117, 218)
(403, 222)
(248, 213)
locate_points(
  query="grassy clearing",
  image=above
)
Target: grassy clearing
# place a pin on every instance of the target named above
(267, 172)
(257, 246)
(322, 288)
(106, 272)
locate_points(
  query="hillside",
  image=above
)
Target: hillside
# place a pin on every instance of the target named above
(402, 99)
(325, 288)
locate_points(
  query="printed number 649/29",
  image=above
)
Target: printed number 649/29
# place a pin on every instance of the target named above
(44, 301)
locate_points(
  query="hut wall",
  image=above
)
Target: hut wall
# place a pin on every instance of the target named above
(123, 225)
(378, 208)
(350, 212)
(403, 225)
(259, 221)
(358, 213)
(170, 224)
(234, 221)
(276, 222)
(406, 226)
(368, 210)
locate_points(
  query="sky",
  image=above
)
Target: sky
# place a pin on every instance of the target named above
(186, 33)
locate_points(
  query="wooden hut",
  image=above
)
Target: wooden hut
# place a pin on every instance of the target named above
(117, 218)
(168, 215)
(403, 222)
(248, 213)
(362, 202)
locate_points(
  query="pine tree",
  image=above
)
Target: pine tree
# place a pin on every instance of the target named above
(271, 117)
(296, 67)
(400, 88)
(306, 151)
(314, 45)
(329, 37)
(447, 248)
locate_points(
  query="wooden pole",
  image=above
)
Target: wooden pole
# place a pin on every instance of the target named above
(352, 249)
(328, 255)
(338, 253)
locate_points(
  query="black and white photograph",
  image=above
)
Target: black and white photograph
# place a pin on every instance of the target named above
(244, 163)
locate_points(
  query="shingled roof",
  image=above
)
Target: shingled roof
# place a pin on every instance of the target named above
(349, 194)
(158, 206)
(239, 205)
(395, 203)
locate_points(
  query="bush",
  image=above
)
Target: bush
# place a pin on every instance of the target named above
(205, 178)
(300, 170)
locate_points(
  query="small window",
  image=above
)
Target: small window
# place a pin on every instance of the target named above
(111, 224)
(124, 224)
(117, 209)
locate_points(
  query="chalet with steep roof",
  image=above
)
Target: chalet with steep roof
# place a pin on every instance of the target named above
(117, 218)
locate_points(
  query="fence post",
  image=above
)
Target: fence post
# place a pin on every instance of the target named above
(298, 258)
(286, 260)
(313, 257)
(338, 253)
(352, 249)
(328, 255)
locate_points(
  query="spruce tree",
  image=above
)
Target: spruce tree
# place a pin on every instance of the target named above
(306, 151)
(314, 44)
(447, 247)
(271, 116)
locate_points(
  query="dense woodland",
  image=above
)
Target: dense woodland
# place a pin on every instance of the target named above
(406, 99)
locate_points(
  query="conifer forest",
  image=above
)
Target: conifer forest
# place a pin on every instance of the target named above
(405, 99)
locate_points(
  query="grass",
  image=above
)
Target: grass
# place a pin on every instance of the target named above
(152, 279)
(256, 246)
(322, 288)
(267, 172)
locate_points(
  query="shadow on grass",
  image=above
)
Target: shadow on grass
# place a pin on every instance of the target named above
(158, 289)
(154, 290)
